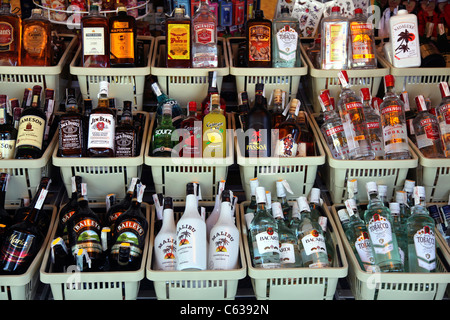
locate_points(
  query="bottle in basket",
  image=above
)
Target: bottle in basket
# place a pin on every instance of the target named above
(421, 235)
(162, 144)
(443, 115)
(223, 251)
(259, 41)
(191, 235)
(116, 210)
(101, 130)
(71, 130)
(334, 32)
(179, 43)
(11, 43)
(362, 42)
(215, 131)
(95, 39)
(282, 186)
(126, 135)
(285, 40)
(166, 240)
(8, 134)
(123, 44)
(215, 213)
(5, 218)
(36, 40)
(204, 37)
(373, 124)
(69, 209)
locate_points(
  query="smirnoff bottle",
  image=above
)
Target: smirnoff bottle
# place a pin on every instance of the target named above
(332, 129)
(354, 122)
(379, 223)
(421, 236)
(204, 37)
(443, 115)
(393, 122)
(165, 242)
(373, 124)
(191, 235)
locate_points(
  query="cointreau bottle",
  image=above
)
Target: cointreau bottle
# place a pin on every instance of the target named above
(11, 39)
(178, 40)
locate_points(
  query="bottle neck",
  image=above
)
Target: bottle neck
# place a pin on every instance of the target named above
(191, 203)
(168, 218)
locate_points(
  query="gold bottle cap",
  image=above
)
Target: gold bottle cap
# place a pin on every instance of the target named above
(36, 11)
(293, 106)
(215, 99)
(179, 10)
(121, 8)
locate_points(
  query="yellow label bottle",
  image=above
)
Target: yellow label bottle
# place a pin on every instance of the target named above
(214, 131)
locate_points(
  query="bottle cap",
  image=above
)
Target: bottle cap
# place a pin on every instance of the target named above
(314, 195)
(389, 80)
(395, 208)
(215, 99)
(335, 9)
(277, 212)
(324, 100)
(358, 11)
(409, 185)
(168, 203)
(254, 183)
(281, 192)
(401, 197)
(371, 187)
(260, 195)
(382, 190)
(121, 8)
(303, 204)
(365, 94)
(268, 199)
(192, 106)
(226, 195)
(295, 210)
(343, 215)
(343, 77)
(350, 204)
(284, 9)
(167, 109)
(445, 91)
(420, 103)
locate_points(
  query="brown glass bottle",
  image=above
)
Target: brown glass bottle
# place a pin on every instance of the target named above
(123, 45)
(71, 132)
(178, 40)
(95, 39)
(101, 131)
(8, 134)
(36, 40)
(126, 133)
(11, 36)
(259, 41)
(278, 109)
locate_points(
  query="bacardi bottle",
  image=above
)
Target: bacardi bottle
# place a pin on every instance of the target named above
(165, 242)
(443, 115)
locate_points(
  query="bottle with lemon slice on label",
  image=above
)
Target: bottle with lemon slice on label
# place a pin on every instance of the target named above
(214, 130)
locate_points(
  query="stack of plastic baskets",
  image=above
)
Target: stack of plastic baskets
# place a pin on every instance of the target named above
(337, 173)
(85, 285)
(395, 285)
(24, 286)
(14, 80)
(171, 174)
(297, 283)
(319, 79)
(200, 284)
(299, 172)
(187, 84)
(286, 79)
(125, 84)
(114, 173)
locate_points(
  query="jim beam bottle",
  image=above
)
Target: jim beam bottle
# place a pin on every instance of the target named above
(101, 131)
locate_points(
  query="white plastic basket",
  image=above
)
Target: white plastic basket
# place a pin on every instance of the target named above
(337, 173)
(286, 79)
(395, 285)
(299, 172)
(170, 175)
(319, 79)
(107, 285)
(297, 283)
(125, 84)
(24, 286)
(14, 80)
(196, 285)
(187, 84)
(114, 173)
(26, 174)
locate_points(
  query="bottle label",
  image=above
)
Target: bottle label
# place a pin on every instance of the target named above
(259, 43)
(204, 33)
(287, 43)
(124, 144)
(286, 147)
(214, 138)
(267, 241)
(122, 40)
(178, 41)
(444, 119)
(132, 232)
(314, 242)
(7, 148)
(405, 40)
(336, 45)
(364, 249)
(425, 245)
(287, 254)
(362, 51)
(31, 131)
(221, 249)
(101, 131)
(191, 143)
(6, 36)
(93, 41)
(257, 144)
(188, 245)
(380, 232)
(166, 253)
(430, 134)
(34, 40)
(395, 134)
(71, 134)
(17, 249)
(87, 236)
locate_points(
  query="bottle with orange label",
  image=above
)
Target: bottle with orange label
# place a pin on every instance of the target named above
(123, 44)
(362, 44)
(259, 41)
(178, 40)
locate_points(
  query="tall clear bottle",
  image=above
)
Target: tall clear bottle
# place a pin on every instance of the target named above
(362, 42)
(443, 115)
(400, 233)
(282, 199)
(373, 121)
(285, 40)
(334, 35)
(379, 223)
(354, 122)
(166, 240)
(254, 183)
(204, 37)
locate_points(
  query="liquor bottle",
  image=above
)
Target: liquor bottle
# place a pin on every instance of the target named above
(429, 53)
(223, 252)
(8, 134)
(334, 31)
(191, 137)
(212, 89)
(392, 113)
(373, 124)
(30, 134)
(354, 122)
(263, 235)
(281, 186)
(11, 40)
(85, 233)
(404, 40)
(443, 115)
(399, 228)
(269, 202)
(166, 240)
(162, 144)
(285, 40)
(59, 255)
(314, 204)
(71, 131)
(254, 183)
(163, 99)
(426, 131)
(116, 210)
(314, 52)
(69, 209)
(357, 235)
(23, 239)
(126, 136)
(379, 222)
(382, 194)
(332, 129)
(36, 40)
(123, 44)
(215, 213)
(401, 198)
(178, 40)
(277, 111)
(243, 110)
(323, 222)
(352, 193)
(311, 238)
(289, 133)
(95, 39)
(214, 131)
(5, 218)
(204, 37)
(421, 235)
(129, 234)
(289, 252)
(101, 130)
(259, 127)
(259, 41)
(362, 42)
(295, 219)
(191, 235)
(408, 187)
(442, 42)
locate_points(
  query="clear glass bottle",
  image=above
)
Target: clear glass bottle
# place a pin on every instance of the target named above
(352, 193)
(166, 240)
(393, 122)
(400, 232)
(354, 122)
(254, 183)
(204, 37)
(282, 199)
(285, 40)
(379, 223)
(443, 116)
(373, 121)
(334, 32)
(421, 235)
(408, 187)
(314, 204)
(362, 42)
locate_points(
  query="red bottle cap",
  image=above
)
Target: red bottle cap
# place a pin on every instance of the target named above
(376, 102)
(358, 10)
(325, 91)
(389, 80)
(365, 94)
(332, 102)
(335, 9)
(342, 75)
(420, 103)
(192, 106)
(324, 98)
(443, 87)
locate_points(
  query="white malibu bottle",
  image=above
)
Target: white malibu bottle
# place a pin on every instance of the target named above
(166, 240)
(214, 216)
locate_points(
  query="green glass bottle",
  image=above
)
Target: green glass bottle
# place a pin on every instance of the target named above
(162, 144)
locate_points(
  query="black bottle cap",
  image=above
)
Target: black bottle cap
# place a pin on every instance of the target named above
(168, 203)
(226, 196)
